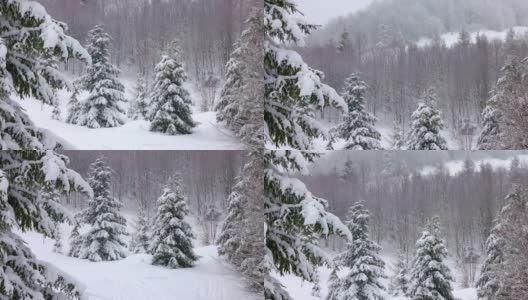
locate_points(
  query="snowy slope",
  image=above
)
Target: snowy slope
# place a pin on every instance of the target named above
(134, 278)
(451, 38)
(134, 135)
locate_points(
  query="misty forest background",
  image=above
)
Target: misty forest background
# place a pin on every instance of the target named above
(402, 196)
(141, 30)
(385, 43)
(139, 177)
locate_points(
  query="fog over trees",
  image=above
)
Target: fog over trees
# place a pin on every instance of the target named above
(410, 20)
(399, 50)
(139, 176)
(141, 28)
(405, 190)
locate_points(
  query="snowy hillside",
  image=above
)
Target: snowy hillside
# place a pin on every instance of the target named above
(134, 278)
(451, 38)
(134, 135)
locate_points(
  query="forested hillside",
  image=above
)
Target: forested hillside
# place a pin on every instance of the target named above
(410, 20)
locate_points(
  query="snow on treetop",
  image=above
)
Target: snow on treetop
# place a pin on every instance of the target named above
(55, 168)
(52, 32)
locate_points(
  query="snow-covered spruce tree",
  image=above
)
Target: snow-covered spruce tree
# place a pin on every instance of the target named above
(400, 281)
(171, 244)
(488, 282)
(295, 221)
(103, 242)
(489, 137)
(230, 236)
(425, 129)
(293, 91)
(74, 107)
(56, 113)
(29, 35)
(102, 108)
(357, 127)
(141, 239)
(430, 277)
(240, 239)
(170, 110)
(508, 108)
(23, 174)
(75, 240)
(138, 107)
(49, 194)
(335, 286)
(505, 271)
(241, 104)
(398, 142)
(362, 282)
(57, 245)
(517, 259)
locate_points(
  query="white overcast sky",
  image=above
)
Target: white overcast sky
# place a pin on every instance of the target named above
(321, 11)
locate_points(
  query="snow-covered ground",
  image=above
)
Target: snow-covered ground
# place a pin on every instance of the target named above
(302, 290)
(134, 278)
(134, 135)
(451, 38)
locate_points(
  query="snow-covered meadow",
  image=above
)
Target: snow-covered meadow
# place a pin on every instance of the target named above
(134, 278)
(134, 134)
(300, 289)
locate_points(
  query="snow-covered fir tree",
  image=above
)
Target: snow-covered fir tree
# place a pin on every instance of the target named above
(241, 106)
(170, 110)
(425, 127)
(230, 236)
(295, 221)
(57, 245)
(398, 142)
(22, 275)
(357, 127)
(74, 107)
(490, 133)
(361, 258)
(102, 108)
(504, 274)
(172, 236)
(293, 92)
(24, 72)
(506, 115)
(514, 283)
(399, 286)
(75, 240)
(335, 286)
(56, 112)
(430, 277)
(138, 107)
(47, 196)
(240, 239)
(141, 238)
(104, 240)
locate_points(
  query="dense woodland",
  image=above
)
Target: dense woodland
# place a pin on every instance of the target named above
(401, 198)
(410, 20)
(399, 75)
(141, 28)
(139, 177)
